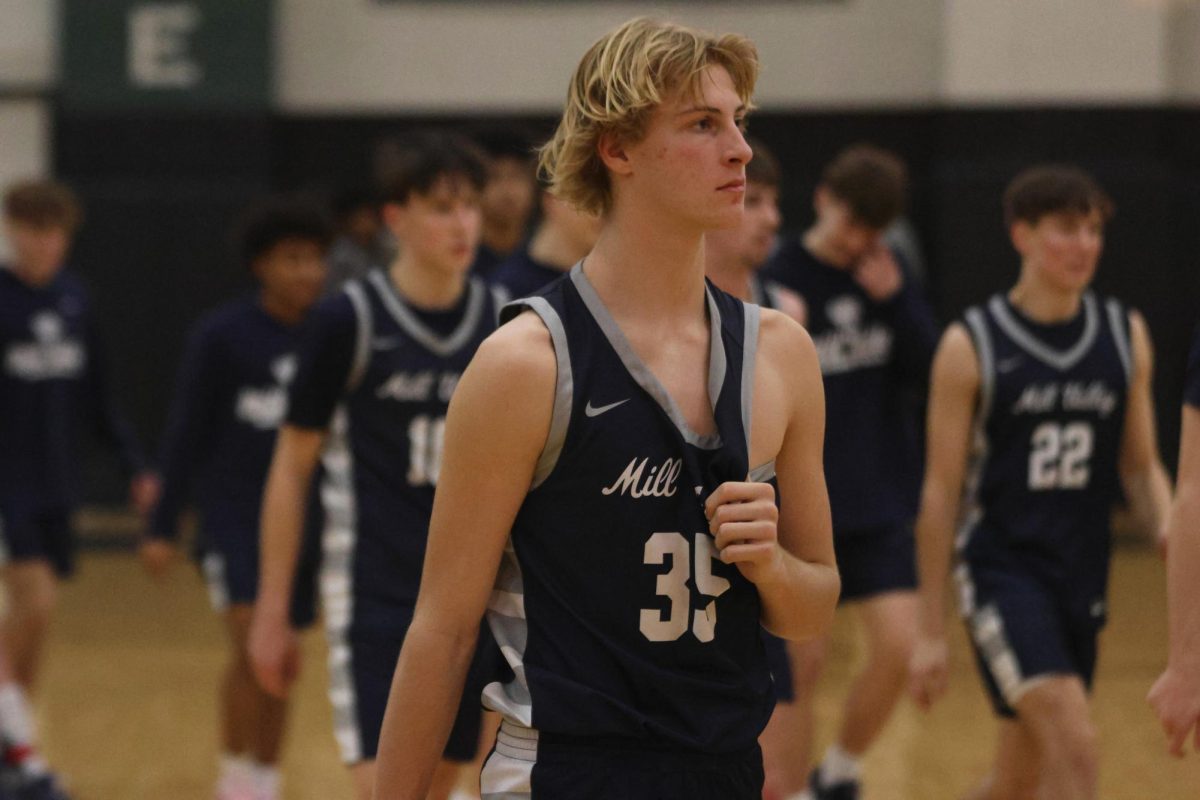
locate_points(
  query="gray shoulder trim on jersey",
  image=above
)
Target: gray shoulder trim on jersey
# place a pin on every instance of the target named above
(500, 298)
(1061, 360)
(749, 358)
(642, 375)
(411, 324)
(774, 293)
(758, 295)
(762, 473)
(987, 360)
(362, 339)
(1117, 320)
(564, 388)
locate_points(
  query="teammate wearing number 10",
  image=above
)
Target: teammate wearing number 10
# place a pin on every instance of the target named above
(377, 369)
(1040, 413)
(622, 528)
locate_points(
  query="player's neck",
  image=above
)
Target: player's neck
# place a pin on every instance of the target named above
(424, 285)
(500, 238)
(642, 268)
(33, 278)
(550, 247)
(731, 276)
(279, 309)
(1042, 302)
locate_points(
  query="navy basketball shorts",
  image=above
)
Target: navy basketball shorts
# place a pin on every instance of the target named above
(38, 534)
(781, 667)
(229, 563)
(361, 675)
(1023, 632)
(530, 765)
(875, 561)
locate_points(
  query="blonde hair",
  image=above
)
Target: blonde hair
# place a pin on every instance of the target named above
(619, 82)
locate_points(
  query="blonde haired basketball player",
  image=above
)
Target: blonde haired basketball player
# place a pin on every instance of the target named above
(606, 491)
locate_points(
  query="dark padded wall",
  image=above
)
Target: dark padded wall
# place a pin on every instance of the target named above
(162, 194)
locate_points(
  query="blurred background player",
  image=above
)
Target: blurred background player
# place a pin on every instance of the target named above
(734, 256)
(377, 369)
(875, 335)
(1040, 414)
(230, 398)
(508, 196)
(54, 387)
(1175, 696)
(361, 242)
(563, 236)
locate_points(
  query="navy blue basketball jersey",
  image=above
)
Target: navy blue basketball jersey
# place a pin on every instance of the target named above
(611, 605)
(53, 390)
(522, 275)
(764, 292)
(1043, 478)
(378, 373)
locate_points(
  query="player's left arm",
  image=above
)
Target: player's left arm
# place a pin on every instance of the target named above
(786, 551)
(1143, 477)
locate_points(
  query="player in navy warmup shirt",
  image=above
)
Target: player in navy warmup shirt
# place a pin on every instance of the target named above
(621, 521)
(230, 398)
(507, 199)
(563, 236)
(1176, 694)
(54, 390)
(378, 367)
(1040, 414)
(875, 336)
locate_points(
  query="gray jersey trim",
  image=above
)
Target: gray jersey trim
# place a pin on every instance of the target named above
(774, 294)
(971, 511)
(500, 297)
(412, 325)
(1117, 319)
(987, 360)
(362, 338)
(564, 387)
(762, 474)
(1061, 360)
(642, 374)
(749, 357)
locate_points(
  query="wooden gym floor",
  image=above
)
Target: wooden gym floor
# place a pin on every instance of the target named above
(127, 708)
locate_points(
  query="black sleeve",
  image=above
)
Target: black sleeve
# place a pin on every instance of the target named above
(916, 329)
(190, 427)
(105, 417)
(327, 354)
(1191, 386)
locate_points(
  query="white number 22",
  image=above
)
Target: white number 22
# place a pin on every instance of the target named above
(1059, 456)
(673, 585)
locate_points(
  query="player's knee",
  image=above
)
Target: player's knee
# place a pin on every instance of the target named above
(893, 649)
(1081, 751)
(808, 661)
(35, 603)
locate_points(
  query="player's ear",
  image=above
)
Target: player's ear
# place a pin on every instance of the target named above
(1020, 233)
(394, 216)
(612, 152)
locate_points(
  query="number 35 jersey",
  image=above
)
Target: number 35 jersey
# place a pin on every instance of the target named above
(611, 605)
(1043, 479)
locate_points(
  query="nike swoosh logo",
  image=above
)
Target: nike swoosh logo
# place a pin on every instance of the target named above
(592, 411)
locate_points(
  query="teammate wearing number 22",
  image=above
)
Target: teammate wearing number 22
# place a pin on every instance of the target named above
(1040, 414)
(377, 369)
(622, 527)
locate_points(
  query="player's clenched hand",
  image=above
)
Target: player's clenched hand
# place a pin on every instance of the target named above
(274, 652)
(928, 670)
(1175, 697)
(156, 555)
(743, 518)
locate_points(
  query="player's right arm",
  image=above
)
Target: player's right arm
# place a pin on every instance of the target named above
(1176, 694)
(496, 426)
(327, 360)
(953, 394)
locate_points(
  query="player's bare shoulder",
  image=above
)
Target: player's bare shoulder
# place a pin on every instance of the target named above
(786, 349)
(789, 397)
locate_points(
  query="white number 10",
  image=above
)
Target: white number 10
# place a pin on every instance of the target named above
(673, 585)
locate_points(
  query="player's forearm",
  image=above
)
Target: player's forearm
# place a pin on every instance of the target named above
(934, 539)
(1183, 588)
(281, 528)
(800, 605)
(426, 690)
(1148, 492)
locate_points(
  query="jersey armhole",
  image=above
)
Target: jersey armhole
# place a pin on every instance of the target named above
(564, 386)
(977, 330)
(362, 337)
(751, 313)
